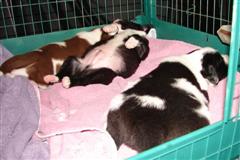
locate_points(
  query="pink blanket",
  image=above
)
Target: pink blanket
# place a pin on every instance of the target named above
(74, 119)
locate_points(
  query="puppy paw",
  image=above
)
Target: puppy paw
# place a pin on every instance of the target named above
(1, 73)
(131, 43)
(50, 79)
(111, 28)
(66, 82)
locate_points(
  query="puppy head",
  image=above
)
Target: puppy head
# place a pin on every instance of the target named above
(214, 65)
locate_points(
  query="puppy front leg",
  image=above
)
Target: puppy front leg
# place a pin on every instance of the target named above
(96, 76)
(131, 43)
(111, 29)
(139, 44)
(70, 67)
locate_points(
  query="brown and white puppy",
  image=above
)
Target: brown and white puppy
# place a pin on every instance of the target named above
(169, 102)
(119, 56)
(48, 59)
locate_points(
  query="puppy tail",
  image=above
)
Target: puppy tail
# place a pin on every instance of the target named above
(19, 61)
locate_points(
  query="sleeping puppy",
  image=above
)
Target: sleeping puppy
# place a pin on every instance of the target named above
(48, 59)
(119, 56)
(169, 102)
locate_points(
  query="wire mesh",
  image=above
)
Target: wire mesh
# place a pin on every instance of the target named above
(30, 17)
(206, 16)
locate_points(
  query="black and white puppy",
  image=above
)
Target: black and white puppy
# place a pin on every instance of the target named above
(170, 101)
(118, 56)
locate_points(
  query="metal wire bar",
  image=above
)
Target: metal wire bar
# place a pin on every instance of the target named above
(49, 14)
(57, 15)
(82, 14)
(214, 11)
(176, 13)
(127, 12)
(98, 13)
(4, 25)
(90, 12)
(206, 16)
(194, 15)
(233, 60)
(65, 5)
(113, 9)
(221, 10)
(120, 9)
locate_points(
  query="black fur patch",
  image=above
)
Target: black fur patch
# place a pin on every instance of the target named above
(81, 76)
(164, 75)
(214, 68)
(131, 25)
(142, 127)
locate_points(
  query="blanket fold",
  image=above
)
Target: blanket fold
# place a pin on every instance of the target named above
(19, 118)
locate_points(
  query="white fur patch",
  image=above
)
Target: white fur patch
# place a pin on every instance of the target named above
(1, 73)
(62, 44)
(116, 102)
(203, 112)
(56, 62)
(185, 85)
(151, 102)
(193, 62)
(92, 37)
(152, 33)
(21, 72)
(97, 58)
(42, 86)
(38, 50)
(144, 101)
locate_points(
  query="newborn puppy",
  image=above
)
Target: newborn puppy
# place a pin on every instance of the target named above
(118, 56)
(169, 102)
(48, 59)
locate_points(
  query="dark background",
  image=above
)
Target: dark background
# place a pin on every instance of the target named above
(203, 15)
(29, 17)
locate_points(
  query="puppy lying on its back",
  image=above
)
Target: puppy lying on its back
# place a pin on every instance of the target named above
(119, 56)
(168, 102)
(48, 59)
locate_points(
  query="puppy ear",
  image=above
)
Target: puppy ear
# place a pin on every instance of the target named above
(210, 73)
(150, 31)
(214, 67)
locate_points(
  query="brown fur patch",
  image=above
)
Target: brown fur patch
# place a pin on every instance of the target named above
(39, 63)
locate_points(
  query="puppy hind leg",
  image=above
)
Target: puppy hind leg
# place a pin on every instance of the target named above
(113, 128)
(142, 48)
(111, 28)
(70, 66)
(94, 76)
(66, 82)
(50, 79)
(131, 43)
